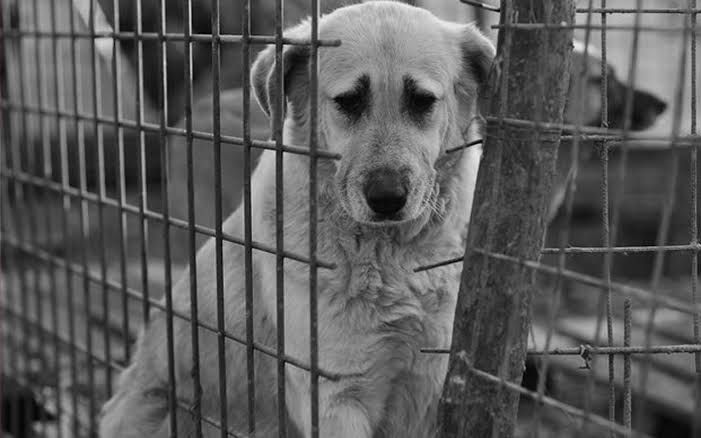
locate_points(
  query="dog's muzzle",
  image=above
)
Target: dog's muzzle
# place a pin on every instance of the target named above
(386, 193)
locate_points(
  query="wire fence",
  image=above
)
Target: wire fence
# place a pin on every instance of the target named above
(94, 237)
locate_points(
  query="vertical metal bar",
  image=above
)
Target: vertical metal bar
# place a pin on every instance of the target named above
(83, 220)
(279, 106)
(121, 177)
(4, 80)
(216, 144)
(604, 168)
(627, 387)
(48, 175)
(696, 426)
(248, 248)
(11, 348)
(610, 235)
(580, 99)
(84, 224)
(313, 266)
(608, 258)
(141, 162)
(196, 387)
(59, 94)
(20, 208)
(11, 356)
(46, 134)
(97, 133)
(168, 277)
(611, 228)
(10, 292)
(33, 202)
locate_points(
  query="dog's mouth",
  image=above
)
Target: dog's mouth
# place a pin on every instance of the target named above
(385, 220)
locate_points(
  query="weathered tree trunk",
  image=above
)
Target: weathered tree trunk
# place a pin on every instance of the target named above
(513, 187)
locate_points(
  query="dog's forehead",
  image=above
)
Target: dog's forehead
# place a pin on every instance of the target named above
(386, 38)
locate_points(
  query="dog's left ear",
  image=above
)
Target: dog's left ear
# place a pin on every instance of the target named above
(478, 54)
(295, 72)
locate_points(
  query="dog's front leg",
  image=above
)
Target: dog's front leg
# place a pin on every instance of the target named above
(348, 408)
(344, 420)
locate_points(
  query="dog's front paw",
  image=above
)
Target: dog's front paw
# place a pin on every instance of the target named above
(345, 421)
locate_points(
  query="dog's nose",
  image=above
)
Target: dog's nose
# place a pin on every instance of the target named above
(384, 191)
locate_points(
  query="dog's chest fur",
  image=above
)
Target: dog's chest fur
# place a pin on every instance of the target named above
(394, 312)
(378, 273)
(374, 300)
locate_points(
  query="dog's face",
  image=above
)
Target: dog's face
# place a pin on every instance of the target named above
(646, 108)
(391, 99)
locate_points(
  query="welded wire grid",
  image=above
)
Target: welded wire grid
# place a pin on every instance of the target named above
(56, 278)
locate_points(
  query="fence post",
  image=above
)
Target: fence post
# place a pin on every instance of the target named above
(508, 218)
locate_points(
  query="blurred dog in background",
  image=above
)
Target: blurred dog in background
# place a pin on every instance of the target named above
(586, 76)
(586, 71)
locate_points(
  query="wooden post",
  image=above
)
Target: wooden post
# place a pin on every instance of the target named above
(508, 217)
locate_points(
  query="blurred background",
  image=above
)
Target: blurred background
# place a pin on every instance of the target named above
(102, 208)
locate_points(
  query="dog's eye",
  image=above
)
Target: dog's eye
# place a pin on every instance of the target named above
(417, 102)
(350, 103)
(421, 103)
(356, 101)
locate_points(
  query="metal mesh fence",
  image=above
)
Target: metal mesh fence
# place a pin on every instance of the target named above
(94, 236)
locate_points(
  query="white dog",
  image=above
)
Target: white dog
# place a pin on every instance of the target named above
(400, 90)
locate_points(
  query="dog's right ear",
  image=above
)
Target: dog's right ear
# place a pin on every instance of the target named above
(260, 76)
(295, 69)
(478, 54)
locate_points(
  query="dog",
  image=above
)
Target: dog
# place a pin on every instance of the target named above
(586, 67)
(402, 88)
(586, 77)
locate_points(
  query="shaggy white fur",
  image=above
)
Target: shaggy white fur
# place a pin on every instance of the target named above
(374, 312)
